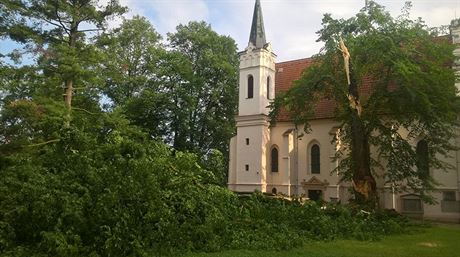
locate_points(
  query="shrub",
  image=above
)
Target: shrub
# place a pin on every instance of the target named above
(113, 192)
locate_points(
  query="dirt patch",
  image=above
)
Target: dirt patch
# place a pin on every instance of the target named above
(429, 244)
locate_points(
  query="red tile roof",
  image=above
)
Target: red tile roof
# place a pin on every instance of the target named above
(290, 71)
(286, 74)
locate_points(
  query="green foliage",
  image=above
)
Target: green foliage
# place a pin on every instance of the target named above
(126, 197)
(131, 61)
(216, 164)
(52, 32)
(131, 196)
(406, 86)
(267, 223)
(104, 184)
(185, 93)
(205, 98)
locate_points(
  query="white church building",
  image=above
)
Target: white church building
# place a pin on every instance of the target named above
(280, 159)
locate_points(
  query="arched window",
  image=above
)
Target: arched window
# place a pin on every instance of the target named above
(250, 86)
(268, 87)
(274, 159)
(422, 158)
(274, 191)
(315, 159)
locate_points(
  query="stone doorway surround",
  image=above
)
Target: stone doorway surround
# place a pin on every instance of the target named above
(315, 184)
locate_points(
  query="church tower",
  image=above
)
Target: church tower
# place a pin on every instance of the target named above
(249, 148)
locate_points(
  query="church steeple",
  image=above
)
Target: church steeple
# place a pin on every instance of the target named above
(256, 89)
(257, 36)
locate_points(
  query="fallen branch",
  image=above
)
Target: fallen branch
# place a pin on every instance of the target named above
(44, 143)
(80, 109)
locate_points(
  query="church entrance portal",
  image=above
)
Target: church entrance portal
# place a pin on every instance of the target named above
(314, 195)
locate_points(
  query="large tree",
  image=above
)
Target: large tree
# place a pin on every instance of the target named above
(205, 97)
(133, 65)
(132, 58)
(184, 93)
(392, 84)
(57, 33)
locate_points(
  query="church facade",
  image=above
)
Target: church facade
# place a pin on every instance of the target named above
(281, 159)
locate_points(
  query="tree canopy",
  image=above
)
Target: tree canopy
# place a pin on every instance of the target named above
(184, 92)
(400, 89)
(112, 143)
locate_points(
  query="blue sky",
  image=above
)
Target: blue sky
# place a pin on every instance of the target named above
(290, 25)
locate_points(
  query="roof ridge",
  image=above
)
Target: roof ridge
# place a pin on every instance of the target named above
(296, 60)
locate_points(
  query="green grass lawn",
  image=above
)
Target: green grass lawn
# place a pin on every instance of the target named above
(431, 242)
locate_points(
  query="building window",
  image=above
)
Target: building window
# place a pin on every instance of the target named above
(448, 196)
(250, 86)
(449, 202)
(422, 162)
(315, 159)
(274, 191)
(246, 167)
(274, 159)
(411, 204)
(268, 87)
(247, 141)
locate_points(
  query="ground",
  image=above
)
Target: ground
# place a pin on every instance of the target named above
(437, 241)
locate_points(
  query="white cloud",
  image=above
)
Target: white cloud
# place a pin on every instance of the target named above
(116, 21)
(167, 14)
(290, 25)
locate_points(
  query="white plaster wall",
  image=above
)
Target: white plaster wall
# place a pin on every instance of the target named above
(294, 154)
(278, 179)
(253, 155)
(320, 134)
(259, 63)
(232, 164)
(294, 151)
(434, 212)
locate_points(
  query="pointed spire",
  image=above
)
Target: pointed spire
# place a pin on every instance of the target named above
(257, 36)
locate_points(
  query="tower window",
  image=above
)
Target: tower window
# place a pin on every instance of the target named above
(250, 86)
(246, 167)
(315, 159)
(247, 141)
(268, 87)
(274, 159)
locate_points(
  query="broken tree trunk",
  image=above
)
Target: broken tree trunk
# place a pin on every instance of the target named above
(364, 184)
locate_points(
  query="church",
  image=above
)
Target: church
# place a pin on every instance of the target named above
(281, 159)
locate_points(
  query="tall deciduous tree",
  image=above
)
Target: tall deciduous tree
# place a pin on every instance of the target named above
(204, 100)
(133, 53)
(133, 65)
(183, 93)
(398, 80)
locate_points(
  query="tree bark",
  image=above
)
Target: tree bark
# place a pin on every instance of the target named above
(69, 82)
(68, 100)
(364, 184)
